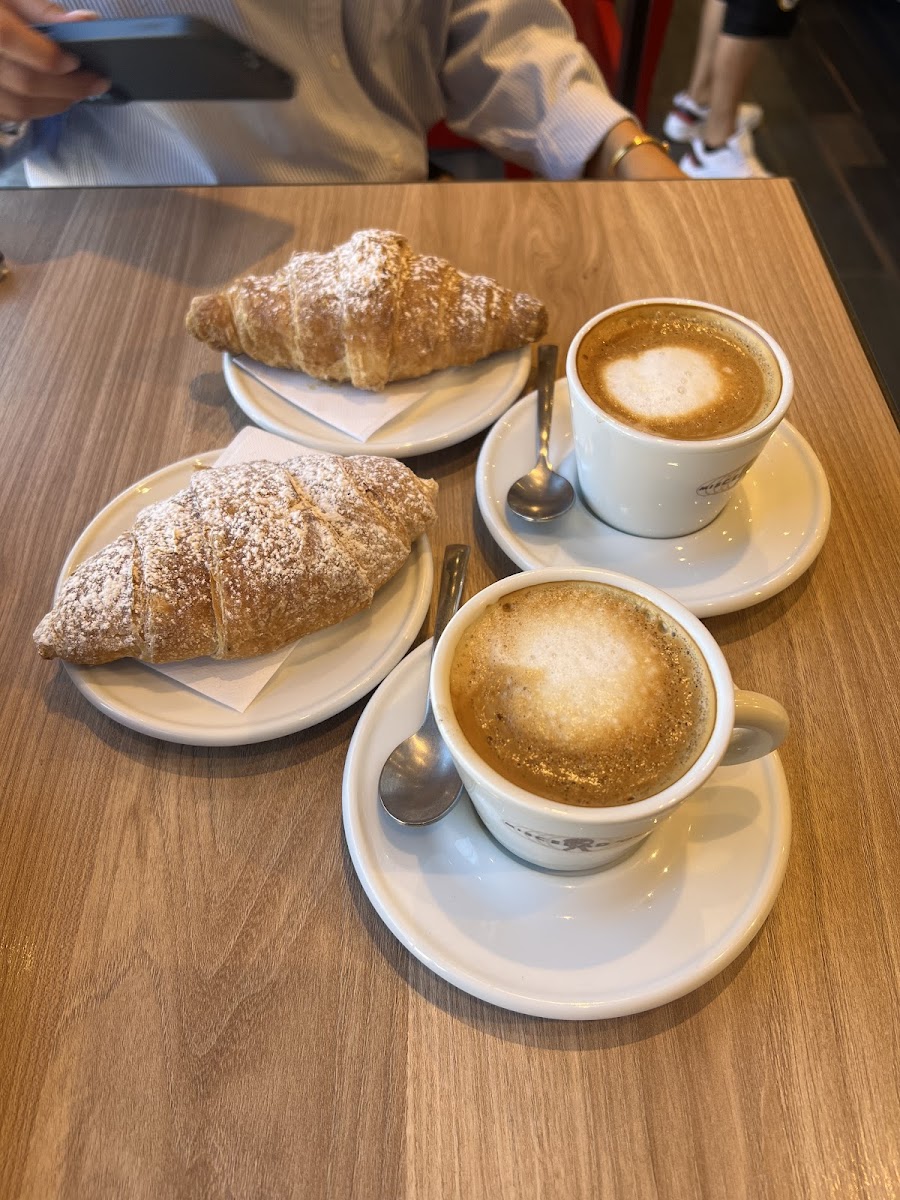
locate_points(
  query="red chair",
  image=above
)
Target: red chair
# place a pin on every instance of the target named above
(639, 47)
(629, 75)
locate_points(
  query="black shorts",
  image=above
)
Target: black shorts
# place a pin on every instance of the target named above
(760, 18)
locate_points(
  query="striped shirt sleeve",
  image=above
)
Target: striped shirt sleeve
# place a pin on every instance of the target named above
(517, 81)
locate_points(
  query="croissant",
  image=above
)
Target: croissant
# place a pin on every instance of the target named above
(242, 561)
(369, 311)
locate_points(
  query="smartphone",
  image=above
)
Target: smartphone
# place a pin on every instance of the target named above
(171, 58)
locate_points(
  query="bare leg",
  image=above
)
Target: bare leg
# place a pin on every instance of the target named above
(711, 19)
(733, 64)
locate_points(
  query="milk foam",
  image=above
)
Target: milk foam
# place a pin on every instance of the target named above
(666, 382)
(581, 692)
(581, 678)
(678, 372)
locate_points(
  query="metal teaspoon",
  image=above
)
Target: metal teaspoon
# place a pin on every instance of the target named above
(542, 494)
(419, 783)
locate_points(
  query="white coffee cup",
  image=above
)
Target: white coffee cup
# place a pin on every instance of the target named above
(655, 486)
(566, 837)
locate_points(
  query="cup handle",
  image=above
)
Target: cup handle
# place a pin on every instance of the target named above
(760, 726)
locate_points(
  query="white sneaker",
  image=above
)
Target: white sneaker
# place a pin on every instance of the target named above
(735, 160)
(687, 119)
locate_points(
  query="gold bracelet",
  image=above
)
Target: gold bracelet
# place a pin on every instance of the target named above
(640, 139)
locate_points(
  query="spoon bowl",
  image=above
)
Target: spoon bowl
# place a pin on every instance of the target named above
(543, 494)
(419, 783)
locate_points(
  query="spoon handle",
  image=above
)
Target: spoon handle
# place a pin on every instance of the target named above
(546, 381)
(453, 576)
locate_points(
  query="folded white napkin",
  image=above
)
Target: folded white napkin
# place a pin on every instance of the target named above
(252, 443)
(351, 410)
(237, 683)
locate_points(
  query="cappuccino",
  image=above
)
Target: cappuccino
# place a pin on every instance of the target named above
(677, 371)
(582, 693)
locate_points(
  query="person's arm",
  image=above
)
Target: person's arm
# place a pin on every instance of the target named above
(637, 162)
(517, 81)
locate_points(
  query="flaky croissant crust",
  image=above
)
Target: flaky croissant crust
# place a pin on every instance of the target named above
(242, 561)
(368, 312)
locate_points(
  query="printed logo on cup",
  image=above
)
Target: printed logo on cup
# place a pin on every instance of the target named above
(567, 843)
(724, 483)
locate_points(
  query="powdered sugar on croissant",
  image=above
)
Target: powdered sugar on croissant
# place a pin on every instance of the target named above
(242, 561)
(369, 311)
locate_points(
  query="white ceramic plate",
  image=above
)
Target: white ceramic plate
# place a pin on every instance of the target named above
(574, 947)
(767, 536)
(326, 672)
(460, 403)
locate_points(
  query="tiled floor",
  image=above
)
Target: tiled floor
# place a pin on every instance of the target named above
(831, 94)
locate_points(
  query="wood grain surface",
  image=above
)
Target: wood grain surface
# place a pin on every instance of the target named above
(197, 999)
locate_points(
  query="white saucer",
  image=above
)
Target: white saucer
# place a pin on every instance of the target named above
(575, 947)
(325, 674)
(769, 533)
(460, 402)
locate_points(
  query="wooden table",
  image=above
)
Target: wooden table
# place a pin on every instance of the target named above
(197, 997)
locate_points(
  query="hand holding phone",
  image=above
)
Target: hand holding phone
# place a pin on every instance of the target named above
(37, 77)
(171, 59)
